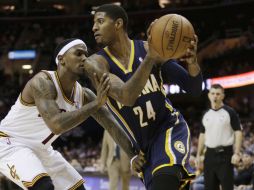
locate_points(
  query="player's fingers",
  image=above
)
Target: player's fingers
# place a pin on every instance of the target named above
(141, 163)
(142, 159)
(105, 82)
(105, 90)
(96, 79)
(138, 167)
(103, 78)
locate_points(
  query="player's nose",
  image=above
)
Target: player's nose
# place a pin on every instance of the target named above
(84, 57)
(95, 28)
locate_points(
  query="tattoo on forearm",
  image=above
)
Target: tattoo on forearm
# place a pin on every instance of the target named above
(44, 96)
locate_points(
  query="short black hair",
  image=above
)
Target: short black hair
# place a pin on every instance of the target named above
(114, 12)
(61, 45)
(218, 86)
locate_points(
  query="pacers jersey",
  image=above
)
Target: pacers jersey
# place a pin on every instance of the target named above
(25, 124)
(151, 111)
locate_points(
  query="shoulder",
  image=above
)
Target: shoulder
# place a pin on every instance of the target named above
(98, 57)
(41, 78)
(230, 110)
(42, 83)
(96, 62)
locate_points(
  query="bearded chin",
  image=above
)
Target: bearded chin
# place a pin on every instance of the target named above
(101, 44)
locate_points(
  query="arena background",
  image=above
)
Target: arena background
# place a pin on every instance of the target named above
(30, 29)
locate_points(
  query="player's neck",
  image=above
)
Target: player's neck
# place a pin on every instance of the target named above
(67, 81)
(121, 47)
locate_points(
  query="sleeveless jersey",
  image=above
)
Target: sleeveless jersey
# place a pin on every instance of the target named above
(152, 110)
(24, 123)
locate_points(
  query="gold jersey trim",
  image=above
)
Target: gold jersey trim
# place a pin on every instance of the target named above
(186, 155)
(78, 184)
(23, 102)
(2, 134)
(168, 151)
(118, 63)
(61, 88)
(30, 184)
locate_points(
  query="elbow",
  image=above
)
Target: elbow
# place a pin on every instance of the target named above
(127, 98)
(55, 127)
(129, 101)
(57, 131)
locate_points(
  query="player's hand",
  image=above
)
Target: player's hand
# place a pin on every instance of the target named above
(235, 159)
(151, 52)
(190, 56)
(103, 85)
(137, 162)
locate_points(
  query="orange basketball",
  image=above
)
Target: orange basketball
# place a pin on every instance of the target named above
(171, 36)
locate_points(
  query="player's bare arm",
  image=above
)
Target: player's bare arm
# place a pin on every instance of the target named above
(108, 122)
(44, 94)
(124, 92)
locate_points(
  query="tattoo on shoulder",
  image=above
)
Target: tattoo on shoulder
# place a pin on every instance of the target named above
(43, 87)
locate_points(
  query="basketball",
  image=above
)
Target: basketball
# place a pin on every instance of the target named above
(171, 35)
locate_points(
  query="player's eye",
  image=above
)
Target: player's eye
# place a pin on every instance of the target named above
(79, 53)
(100, 21)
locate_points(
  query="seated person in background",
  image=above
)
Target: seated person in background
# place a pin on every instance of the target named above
(244, 172)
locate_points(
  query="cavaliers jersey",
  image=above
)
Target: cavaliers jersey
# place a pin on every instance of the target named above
(25, 124)
(152, 110)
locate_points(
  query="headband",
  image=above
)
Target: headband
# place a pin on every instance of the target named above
(68, 46)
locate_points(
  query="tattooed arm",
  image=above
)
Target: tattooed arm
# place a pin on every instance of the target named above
(108, 122)
(44, 94)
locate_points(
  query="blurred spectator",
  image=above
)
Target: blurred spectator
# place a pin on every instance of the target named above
(117, 163)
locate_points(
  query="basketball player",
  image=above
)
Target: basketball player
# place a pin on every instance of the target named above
(52, 103)
(138, 101)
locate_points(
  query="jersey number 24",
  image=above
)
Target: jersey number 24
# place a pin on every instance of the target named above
(149, 111)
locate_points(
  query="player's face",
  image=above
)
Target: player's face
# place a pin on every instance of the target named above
(103, 28)
(75, 58)
(216, 95)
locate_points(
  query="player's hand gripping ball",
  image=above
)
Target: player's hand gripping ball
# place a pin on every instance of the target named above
(171, 35)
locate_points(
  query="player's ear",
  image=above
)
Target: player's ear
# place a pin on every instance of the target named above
(60, 59)
(119, 23)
